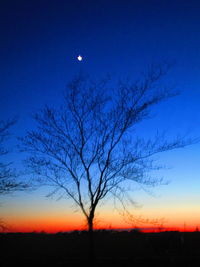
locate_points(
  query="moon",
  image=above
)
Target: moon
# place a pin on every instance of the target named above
(80, 58)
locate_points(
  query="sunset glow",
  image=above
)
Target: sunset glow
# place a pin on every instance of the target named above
(57, 222)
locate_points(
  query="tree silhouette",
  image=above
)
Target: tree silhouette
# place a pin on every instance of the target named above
(8, 176)
(88, 148)
(9, 182)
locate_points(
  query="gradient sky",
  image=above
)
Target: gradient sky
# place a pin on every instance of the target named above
(40, 41)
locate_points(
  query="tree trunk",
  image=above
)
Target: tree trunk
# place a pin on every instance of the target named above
(91, 242)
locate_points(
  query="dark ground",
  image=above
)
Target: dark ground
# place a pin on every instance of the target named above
(112, 249)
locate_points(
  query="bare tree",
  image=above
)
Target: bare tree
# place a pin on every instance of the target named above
(88, 149)
(8, 176)
(9, 182)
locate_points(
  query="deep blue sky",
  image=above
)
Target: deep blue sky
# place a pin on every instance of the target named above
(40, 41)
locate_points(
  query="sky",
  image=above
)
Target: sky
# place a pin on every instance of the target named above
(40, 42)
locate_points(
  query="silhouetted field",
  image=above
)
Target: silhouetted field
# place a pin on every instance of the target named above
(112, 249)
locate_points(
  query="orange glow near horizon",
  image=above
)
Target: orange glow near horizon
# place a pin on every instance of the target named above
(53, 226)
(55, 217)
(49, 225)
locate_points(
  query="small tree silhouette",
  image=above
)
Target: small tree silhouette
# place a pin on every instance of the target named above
(88, 147)
(8, 176)
(9, 182)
